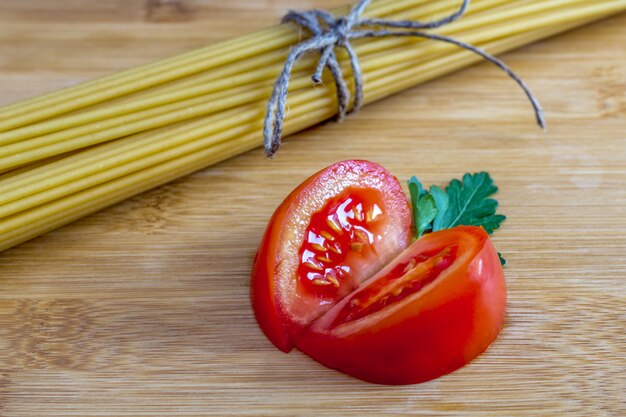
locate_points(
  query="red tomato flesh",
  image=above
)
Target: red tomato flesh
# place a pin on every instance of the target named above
(335, 230)
(337, 237)
(407, 278)
(431, 310)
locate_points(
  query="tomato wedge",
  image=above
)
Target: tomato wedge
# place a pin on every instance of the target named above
(335, 230)
(431, 310)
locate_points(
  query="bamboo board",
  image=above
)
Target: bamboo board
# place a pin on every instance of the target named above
(143, 309)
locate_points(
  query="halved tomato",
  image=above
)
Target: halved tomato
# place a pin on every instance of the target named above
(335, 230)
(430, 311)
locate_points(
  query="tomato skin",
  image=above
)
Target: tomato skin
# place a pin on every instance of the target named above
(269, 316)
(448, 324)
(270, 310)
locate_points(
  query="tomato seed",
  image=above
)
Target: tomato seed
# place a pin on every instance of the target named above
(356, 246)
(331, 223)
(324, 259)
(361, 236)
(333, 280)
(313, 266)
(335, 249)
(318, 247)
(412, 263)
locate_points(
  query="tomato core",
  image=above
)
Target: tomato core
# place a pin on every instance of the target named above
(341, 232)
(407, 278)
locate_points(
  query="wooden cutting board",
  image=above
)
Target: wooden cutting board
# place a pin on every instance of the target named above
(143, 309)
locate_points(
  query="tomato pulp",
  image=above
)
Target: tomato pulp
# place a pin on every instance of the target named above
(335, 230)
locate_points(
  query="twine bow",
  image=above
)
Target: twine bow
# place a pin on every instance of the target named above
(329, 32)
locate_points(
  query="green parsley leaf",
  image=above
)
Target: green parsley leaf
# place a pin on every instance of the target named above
(469, 204)
(427, 212)
(441, 201)
(463, 203)
(502, 260)
(424, 207)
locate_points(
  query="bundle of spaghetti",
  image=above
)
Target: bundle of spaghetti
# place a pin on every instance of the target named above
(70, 153)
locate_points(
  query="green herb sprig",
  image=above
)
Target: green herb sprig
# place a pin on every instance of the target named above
(464, 202)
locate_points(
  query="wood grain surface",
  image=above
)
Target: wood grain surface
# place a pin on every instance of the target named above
(143, 309)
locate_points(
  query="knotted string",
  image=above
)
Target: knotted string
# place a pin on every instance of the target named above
(329, 32)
